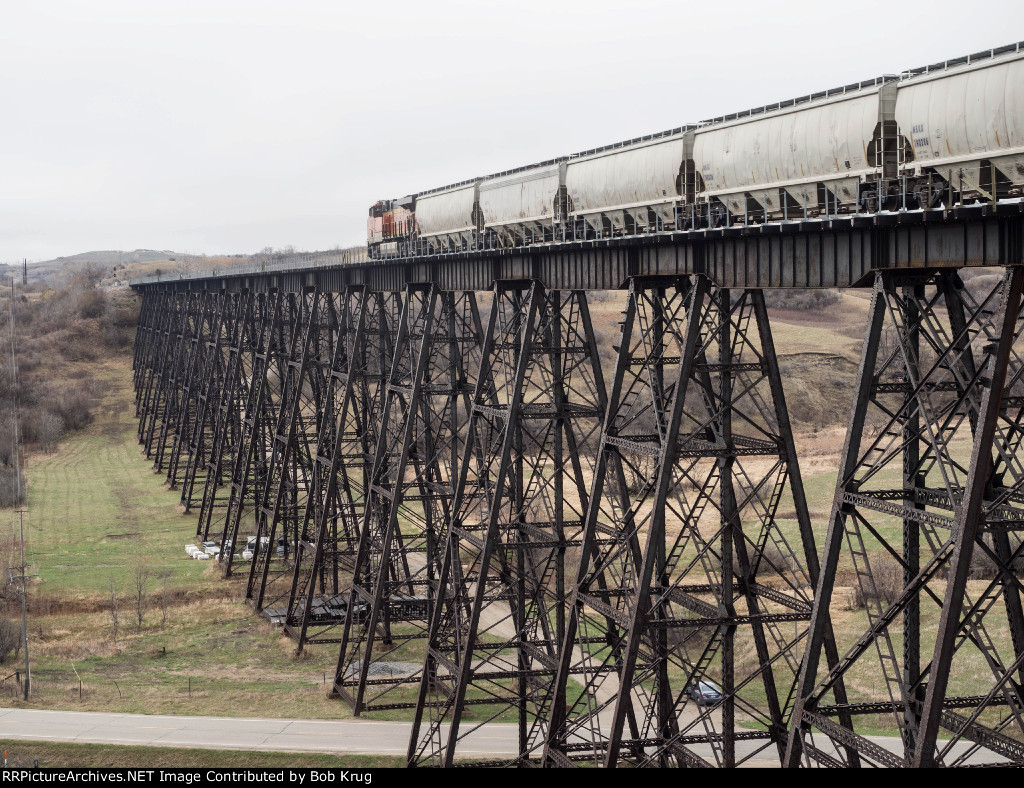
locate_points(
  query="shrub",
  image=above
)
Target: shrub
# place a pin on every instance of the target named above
(10, 640)
(888, 576)
(75, 407)
(801, 299)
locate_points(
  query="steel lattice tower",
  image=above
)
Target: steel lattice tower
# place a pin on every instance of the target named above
(175, 446)
(931, 473)
(239, 463)
(300, 388)
(687, 572)
(497, 626)
(212, 386)
(409, 495)
(368, 323)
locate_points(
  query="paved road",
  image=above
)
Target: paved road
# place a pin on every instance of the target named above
(241, 733)
(233, 733)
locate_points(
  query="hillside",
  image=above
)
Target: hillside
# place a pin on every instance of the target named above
(45, 270)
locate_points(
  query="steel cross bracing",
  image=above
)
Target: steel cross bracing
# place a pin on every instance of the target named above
(687, 568)
(408, 499)
(212, 386)
(688, 578)
(156, 391)
(174, 381)
(240, 337)
(234, 475)
(271, 398)
(496, 626)
(298, 388)
(931, 474)
(141, 353)
(149, 360)
(178, 380)
(145, 357)
(351, 409)
(204, 342)
(177, 383)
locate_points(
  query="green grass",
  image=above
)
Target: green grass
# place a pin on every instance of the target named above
(213, 657)
(95, 507)
(53, 755)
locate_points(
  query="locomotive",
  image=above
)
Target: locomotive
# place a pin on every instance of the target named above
(942, 134)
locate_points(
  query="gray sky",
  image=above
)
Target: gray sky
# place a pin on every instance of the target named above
(220, 127)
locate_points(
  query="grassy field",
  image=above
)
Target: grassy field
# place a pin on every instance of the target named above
(95, 508)
(51, 755)
(95, 513)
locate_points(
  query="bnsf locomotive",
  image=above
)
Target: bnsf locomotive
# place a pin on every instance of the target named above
(942, 134)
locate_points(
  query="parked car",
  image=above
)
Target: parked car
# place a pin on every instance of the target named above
(211, 548)
(705, 693)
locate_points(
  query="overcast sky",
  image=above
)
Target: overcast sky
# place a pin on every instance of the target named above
(220, 127)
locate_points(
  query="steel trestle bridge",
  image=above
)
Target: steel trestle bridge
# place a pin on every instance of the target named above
(446, 487)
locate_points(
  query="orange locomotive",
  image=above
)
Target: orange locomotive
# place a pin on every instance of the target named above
(390, 225)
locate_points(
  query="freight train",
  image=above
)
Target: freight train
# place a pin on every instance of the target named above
(943, 134)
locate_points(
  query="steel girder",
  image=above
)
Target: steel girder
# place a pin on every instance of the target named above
(368, 324)
(932, 475)
(687, 573)
(408, 499)
(497, 624)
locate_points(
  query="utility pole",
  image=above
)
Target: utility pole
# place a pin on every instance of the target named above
(24, 599)
(21, 508)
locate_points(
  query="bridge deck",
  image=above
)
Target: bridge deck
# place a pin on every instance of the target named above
(835, 252)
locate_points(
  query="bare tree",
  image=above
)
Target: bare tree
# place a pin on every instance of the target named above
(115, 611)
(49, 430)
(164, 595)
(140, 580)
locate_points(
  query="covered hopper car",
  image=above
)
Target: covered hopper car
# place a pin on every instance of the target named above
(948, 133)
